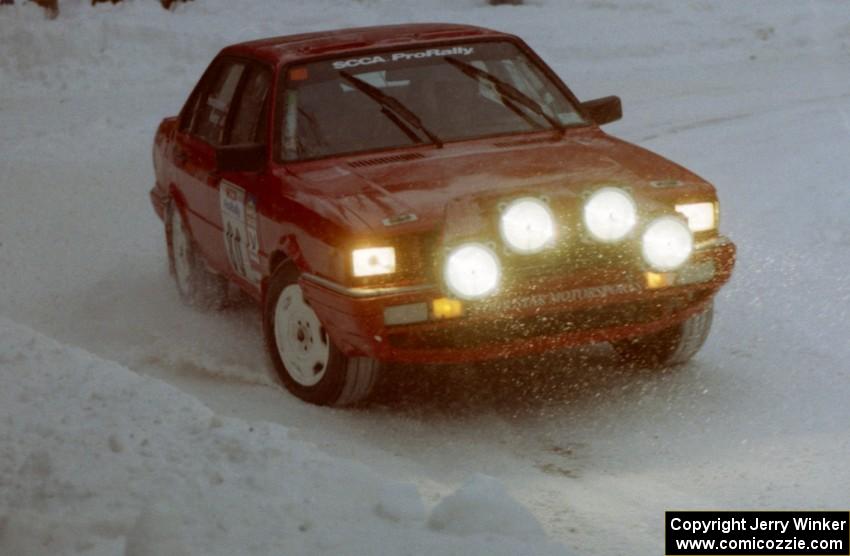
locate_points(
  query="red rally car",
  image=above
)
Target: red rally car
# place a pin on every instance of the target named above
(428, 193)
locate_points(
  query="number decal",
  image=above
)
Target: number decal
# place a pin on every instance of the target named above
(239, 225)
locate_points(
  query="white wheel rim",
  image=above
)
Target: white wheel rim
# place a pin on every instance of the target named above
(180, 249)
(302, 342)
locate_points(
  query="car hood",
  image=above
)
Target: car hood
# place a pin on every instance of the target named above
(401, 190)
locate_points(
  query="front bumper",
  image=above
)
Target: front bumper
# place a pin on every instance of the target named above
(547, 314)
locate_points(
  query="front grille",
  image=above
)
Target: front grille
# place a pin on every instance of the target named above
(573, 259)
(476, 333)
(601, 264)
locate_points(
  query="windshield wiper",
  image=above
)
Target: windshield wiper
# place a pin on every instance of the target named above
(393, 104)
(506, 90)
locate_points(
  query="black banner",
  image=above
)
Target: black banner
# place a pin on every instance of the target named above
(800, 533)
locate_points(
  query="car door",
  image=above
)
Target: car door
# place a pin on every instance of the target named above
(196, 141)
(240, 193)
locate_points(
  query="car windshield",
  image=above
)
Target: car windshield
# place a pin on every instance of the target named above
(416, 96)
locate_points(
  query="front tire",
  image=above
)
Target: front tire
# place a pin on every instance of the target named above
(306, 360)
(197, 286)
(673, 346)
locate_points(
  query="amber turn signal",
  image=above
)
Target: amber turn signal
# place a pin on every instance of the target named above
(445, 308)
(656, 280)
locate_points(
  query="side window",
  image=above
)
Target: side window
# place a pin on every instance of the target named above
(214, 103)
(188, 113)
(249, 123)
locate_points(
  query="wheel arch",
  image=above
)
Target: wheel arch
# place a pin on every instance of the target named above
(176, 198)
(278, 258)
(285, 252)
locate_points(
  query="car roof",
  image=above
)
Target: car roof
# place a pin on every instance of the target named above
(288, 48)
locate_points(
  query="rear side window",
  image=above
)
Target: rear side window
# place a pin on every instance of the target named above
(249, 121)
(214, 103)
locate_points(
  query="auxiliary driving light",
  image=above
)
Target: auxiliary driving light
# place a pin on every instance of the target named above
(610, 214)
(527, 225)
(667, 243)
(472, 271)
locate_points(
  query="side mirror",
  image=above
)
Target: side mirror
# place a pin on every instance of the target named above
(240, 158)
(604, 110)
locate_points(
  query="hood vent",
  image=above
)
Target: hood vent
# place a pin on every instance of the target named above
(381, 160)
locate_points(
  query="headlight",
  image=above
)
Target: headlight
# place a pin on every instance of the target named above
(667, 243)
(527, 225)
(610, 214)
(472, 271)
(701, 216)
(373, 261)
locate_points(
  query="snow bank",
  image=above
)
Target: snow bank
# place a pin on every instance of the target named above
(96, 459)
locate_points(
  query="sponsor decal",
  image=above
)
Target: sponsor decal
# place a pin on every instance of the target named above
(239, 226)
(403, 56)
(561, 297)
(251, 230)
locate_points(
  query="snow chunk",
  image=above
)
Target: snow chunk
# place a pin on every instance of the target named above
(483, 506)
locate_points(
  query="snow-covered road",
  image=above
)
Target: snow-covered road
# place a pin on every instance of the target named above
(753, 96)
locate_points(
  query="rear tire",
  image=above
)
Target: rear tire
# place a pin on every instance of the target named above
(669, 347)
(197, 286)
(306, 360)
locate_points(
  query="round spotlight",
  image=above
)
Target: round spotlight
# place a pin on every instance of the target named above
(610, 214)
(527, 225)
(667, 243)
(472, 271)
